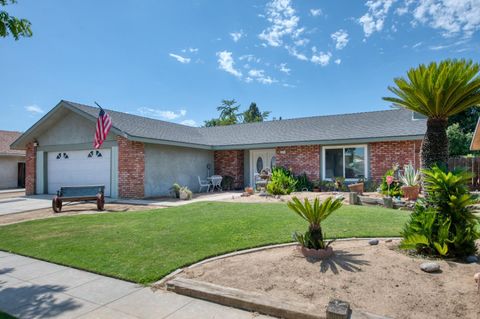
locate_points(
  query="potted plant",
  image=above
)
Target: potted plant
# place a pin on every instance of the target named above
(357, 187)
(249, 190)
(185, 193)
(316, 186)
(312, 243)
(411, 182)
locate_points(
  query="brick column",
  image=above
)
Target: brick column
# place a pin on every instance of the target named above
(131, 168)
(30, 169)
(384, 154)
(300, 159)
(230, 163)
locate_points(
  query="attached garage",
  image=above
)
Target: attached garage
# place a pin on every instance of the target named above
(75, 168)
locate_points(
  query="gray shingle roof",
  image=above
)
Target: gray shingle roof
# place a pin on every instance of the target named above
(380, 125)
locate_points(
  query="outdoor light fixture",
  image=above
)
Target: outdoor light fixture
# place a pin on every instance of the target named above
(35, 143)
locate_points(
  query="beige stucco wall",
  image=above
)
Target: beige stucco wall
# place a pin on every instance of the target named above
(9, 171)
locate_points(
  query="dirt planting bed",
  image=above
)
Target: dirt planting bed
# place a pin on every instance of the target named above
(377, 279)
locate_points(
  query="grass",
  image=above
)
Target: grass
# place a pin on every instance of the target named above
(145, 246)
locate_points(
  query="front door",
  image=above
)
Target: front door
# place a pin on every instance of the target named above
(260, 159)
(21, 175)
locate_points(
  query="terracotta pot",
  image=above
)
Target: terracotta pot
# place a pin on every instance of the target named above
(356, 188)
(411, 192)
(316, 253)
(316, 190)
(249, 190)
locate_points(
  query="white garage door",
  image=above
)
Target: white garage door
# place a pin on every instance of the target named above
(74, 168)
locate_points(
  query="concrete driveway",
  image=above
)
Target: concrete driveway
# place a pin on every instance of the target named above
(20, 204)
(30, 288)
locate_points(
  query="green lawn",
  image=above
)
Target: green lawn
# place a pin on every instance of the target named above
(145, 246)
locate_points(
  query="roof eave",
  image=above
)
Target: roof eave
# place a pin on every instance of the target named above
(22, 140)
(321, 142)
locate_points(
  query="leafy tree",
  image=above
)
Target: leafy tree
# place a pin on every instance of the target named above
(438, 91)
(458, 140)
(467, 119)
(229, 114)
(253, 114)
(12, 25)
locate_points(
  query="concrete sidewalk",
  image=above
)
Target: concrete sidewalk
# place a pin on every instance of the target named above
(30, 288)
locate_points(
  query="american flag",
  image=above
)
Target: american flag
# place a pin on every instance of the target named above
(104, 123)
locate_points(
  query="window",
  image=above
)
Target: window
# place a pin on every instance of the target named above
(348, 162)
(273, 162)
(62, 156)
(259, 164)
(93, 154)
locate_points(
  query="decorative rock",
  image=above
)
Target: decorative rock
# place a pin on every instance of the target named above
(389, 240)
(338, 309)
(430, 267)
(471, 259)
(477, 280)
(373, 242)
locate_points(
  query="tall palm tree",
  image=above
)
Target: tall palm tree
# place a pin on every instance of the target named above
(438, 91)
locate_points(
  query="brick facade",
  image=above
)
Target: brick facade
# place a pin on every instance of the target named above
(30, 169)
(131, 168)
(384, 154)
(230, 163)
(300, 159)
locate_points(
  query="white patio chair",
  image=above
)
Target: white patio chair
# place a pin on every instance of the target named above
(203, 183)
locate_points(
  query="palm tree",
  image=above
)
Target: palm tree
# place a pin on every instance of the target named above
(438, 91)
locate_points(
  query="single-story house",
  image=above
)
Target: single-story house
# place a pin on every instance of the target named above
(12, 162)
(142, 157)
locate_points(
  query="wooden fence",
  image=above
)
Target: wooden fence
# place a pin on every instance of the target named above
(471, 164)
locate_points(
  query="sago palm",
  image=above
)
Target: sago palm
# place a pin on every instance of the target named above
(438, 91)
(314, 215)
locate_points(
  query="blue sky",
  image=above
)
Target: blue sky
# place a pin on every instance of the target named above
(176, 60)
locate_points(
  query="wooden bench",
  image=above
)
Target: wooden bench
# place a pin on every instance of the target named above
(79, 194)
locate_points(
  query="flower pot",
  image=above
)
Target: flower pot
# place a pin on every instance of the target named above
(356, 188)
(316, 189)
(411, 192)
(249, 190)
(316, 253)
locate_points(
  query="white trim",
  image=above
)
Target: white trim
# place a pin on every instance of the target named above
(343, 147)
(40, 173)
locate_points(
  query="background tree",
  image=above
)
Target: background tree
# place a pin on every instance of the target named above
(229, 114)
(438, 91)
(458, 140)
(12, 25)
(253, 114)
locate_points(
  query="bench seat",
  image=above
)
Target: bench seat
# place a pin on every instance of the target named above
(79, 194)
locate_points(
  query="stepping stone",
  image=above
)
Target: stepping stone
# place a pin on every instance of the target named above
(373, 242)
(430, 267)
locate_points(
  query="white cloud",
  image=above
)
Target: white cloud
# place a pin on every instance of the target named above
(226, 63)
(259, 76)
(191, 50)
(34, 109)
(189, 122)
(283, 22)
(321, 58)
(452, 17)
(416, 45)
(250, 58)
(316, 12)
(374, 19)
(236, 36)
(338, 61)
(295, 53)
(180, 58)
(163, 114)
(283, 68)
(341, 39)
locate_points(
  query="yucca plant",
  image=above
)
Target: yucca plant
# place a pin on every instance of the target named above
(438, 91)
(410, 176)
(314, 214)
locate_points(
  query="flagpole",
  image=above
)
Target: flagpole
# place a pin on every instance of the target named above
(101, 108)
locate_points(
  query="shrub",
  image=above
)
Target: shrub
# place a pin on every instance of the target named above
(175, 190)
(394, 190)
(370, 186)
(410, 176)
(227, 183)
(185, 193)
(281, 183)
(303, 183)
(443, 223)
(314, 214)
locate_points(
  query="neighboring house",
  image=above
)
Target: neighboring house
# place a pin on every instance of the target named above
(142, 157)
(12, 162)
